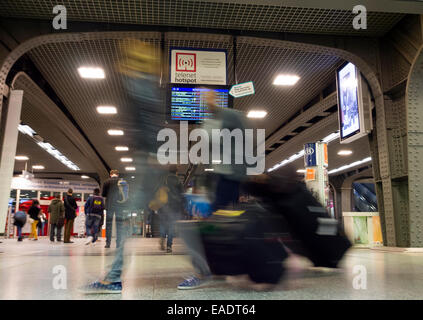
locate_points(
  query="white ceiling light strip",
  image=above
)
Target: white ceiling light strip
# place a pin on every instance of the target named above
(354, 164)
(48, 147)
(299, 154)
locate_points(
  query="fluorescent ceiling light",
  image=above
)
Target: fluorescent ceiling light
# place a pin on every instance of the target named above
(331, 137)
(344, 152)
(354, 164)
(301, 170)
(132, 177)
(106, 110)
(130, 169)
(300, 154)
(91, 72)
(286, 80)
(38, 167)
(85, 177)
(126, 159)
(121, 148)
(114, 132)
(47, 147)
(217, 161)
(257, 114)
(21, 158)
(208, 169)
(25, 129)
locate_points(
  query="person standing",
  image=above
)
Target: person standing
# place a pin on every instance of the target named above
(94, 208)
(57, 216)
(116, 196)
(34, 214)
(70, 214)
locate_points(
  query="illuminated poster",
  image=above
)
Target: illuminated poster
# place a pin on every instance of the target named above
(348, 100)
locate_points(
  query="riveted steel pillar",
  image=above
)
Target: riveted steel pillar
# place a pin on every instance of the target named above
(414, 99)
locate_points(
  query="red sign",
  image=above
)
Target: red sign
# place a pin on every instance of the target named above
(186, 62)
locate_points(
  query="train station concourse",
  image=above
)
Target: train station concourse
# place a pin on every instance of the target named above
(211, 150)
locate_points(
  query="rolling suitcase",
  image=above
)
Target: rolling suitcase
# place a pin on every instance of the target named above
(235, 242)
(314, 234)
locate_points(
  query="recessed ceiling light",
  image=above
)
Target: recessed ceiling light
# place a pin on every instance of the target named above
(130, 169)
(257, 114)
(91, 72)
(286, 80)
(114, 132)
(344, 152)
(133, 177)
(121, 148)
(301, 170)
(85, 177)
(21, 158)
(126, 159)
(106, 110)
(38, 167)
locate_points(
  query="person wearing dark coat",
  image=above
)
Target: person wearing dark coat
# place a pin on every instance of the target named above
(34, 214)
(70, 215)
(57, 216)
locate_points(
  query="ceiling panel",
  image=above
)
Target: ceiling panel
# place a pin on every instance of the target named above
(206, 14)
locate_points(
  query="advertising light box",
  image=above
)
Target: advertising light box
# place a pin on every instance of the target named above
(353, 104)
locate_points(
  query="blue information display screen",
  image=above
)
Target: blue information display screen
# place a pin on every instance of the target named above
(188, 103)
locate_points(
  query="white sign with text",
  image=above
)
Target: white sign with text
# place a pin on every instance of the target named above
(198, 66)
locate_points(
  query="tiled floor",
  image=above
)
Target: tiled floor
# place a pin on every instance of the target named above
(27, 272)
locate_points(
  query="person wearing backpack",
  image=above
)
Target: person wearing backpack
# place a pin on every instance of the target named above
(115, 191)
(94, 211)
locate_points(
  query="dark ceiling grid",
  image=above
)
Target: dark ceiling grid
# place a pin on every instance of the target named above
(202, 14)
(316, 72)
(59, 63)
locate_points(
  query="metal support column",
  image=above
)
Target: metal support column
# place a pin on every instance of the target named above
(8, 152)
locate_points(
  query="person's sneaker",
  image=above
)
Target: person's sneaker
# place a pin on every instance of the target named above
(89, 240)
(107, 245)
(193, 283)
(169, 250)
(20, 239)
(98, 287)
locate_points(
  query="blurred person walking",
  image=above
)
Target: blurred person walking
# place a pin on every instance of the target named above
(226, 181)
(94, 211)
(70, 215)
(57, 218)
(34, 214)
(141, 71)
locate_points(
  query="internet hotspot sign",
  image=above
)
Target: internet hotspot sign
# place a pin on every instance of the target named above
(242, 89)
